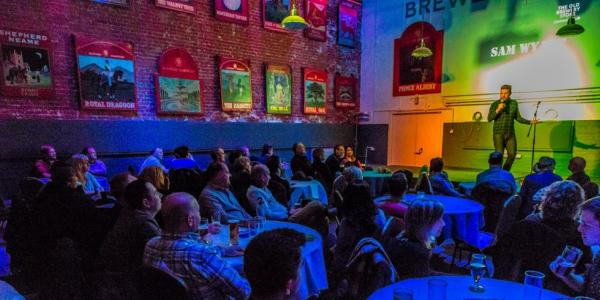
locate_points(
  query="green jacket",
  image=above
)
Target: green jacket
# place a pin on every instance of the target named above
(503, 121)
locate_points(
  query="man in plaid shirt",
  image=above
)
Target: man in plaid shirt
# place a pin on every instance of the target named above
(180, 252)
(503, 112)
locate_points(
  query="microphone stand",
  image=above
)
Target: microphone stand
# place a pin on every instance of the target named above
(534, 125)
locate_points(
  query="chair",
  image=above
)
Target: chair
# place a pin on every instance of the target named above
(423, 184)
(185, 180)
(590, 189)
(392, 228)
(30, 188)
(156, 284)
(492, 197)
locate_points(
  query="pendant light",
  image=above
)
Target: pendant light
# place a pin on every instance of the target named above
(421, 50)
(571, 28)
(294, 21)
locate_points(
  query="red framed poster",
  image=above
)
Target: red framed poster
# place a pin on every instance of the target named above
(418, 75)
(348, 24)
(178, 5)
(235, 11)
(106, 74)
(178, 87)
(316, 17)
(274, 11)
(278, 89)
(315, 91)
(236, 87)
(345, 92)
(26, 64)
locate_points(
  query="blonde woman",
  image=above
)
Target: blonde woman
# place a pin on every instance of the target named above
(157, 177)
(85, 179)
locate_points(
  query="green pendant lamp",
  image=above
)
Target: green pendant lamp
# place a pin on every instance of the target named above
(571, 28)
(294, 21)
(422, 51)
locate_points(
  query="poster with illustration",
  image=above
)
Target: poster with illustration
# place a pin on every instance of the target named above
(274, 11)
(113, 2)
(345, 91)
(178, 5)
(315, 91)
(236, 90)
(106, 74)
(235, 11)
(25, 64)
(316, 17)
(178, 88)
(348, 24)
(278, 89)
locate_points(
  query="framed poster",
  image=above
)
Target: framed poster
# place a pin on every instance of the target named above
(235, 11)
(274, 11)
(345, 92)
(316, 17)
(236, 87)
(418, 75)
(278, 89)
(347, 24)
(25, 64)
(113, 2)
(315, 91)
(106, 74)
(178, 5)
(178, 88)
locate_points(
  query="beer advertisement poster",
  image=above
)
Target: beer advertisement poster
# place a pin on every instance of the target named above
(345, 92)
(316, 17)
(26, 70)
(347, 24)
(178, 88)
(236, 88)
(186, 6)
(278, 89)
(235, 11)
(315, 91)
(106, 74)
(274, 11)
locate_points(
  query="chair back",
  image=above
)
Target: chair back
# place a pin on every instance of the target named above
(492, 197)
(508, 215)
(392, 228)
(185, 180)
(423, 184)
(156, 284)
(30, 188)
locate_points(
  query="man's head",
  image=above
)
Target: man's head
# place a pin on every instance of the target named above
(274, 164)
(267, 150)
(182, 151)
(397, 185)
(436, 165)
(245, 151)
(157, 152)
(272, 262)
(118, 184)
(299, 149)
(340, 151)
(352, 173)
(218, 155)
(589, 225)
(180, 213)
(318, 154)
(142, 195)
(90, 152)
(48, 153)
(495, 159)
(546, 164)
(218, 174)
(233, 156)
(577, 165)
(505, 92)
(260, 175)
(63, 174)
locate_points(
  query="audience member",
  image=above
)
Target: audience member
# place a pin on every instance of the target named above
(393, 204)
(84, 178)
(180, 251)
(411, 250)
(232, 157)
(577, 168)
(246, 153)
(157, 177)
(543, 177)
(218, 155)
(496, 176)
(350, 159)
(216, 200)
(334, 161)
(266, 153)
(300, 162)
(440, 183)
(154, 160)
(349, 175)
(118, 184)
(240, 181)
(279, 187)
(41, 168)
(183, 160)
(97, 167)
(321, 170)
(272, 263)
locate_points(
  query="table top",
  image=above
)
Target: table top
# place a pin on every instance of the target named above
(458, 288)
(375, 174)
(452, 205)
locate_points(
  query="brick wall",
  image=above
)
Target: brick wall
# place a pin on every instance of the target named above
(152, 30)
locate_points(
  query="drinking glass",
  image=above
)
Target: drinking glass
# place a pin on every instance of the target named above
(533, 285)
(234, 232)
(401, 293)
(260, 223)
(568, 259)
(253, 225)
(436, 289)
(478, 269)
(203, 227)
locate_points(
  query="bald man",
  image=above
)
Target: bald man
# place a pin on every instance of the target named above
(180, 251)
(577, 168)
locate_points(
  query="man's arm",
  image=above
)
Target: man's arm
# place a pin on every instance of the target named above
(220, 274)
(211, 205)
(519, 118)
(492, 115)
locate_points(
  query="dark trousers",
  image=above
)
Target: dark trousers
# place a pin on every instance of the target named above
(506, 141)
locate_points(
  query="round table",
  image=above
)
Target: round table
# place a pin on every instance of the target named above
(307, 189)
(463, 218)
(458, 288)
(376, 181)
(313, 276)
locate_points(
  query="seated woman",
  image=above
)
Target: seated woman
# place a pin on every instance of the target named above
(392, 204)
(587, 284)
(411, 251)
(157, 177)
(85, 179)
(350, 159)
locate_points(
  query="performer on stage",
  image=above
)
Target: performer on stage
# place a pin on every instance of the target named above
(503, 112)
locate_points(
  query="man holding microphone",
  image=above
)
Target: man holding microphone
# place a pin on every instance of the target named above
(503, 112)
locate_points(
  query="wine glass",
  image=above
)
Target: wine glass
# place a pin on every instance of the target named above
(478, 269)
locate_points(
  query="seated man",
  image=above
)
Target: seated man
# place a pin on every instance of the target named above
(154, 160)
(577, 168)
(216, 200)
(334, 161)
(322, 172)
(267, 152)
(184, 160)
(97, 167)
(440, 183)
(180, 252)
(392, 204)
(41, 168)
(218, 155)
(300, 162)
(543, 177)
(246, 153)
(496, 176)
(272, 264)
(280, 187)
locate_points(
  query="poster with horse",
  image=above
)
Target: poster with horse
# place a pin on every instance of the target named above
(236, 90)
(315, 91)
(274, 11)
(106, 74)
(25, 64)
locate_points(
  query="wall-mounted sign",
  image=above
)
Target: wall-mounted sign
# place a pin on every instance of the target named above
(235, 11)
(179, 5)
(178, 88)
(278, 86)
(348, 24)
(274, 11)
(345, 92)
(236, 87)
(315, 91)
(316, 17)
